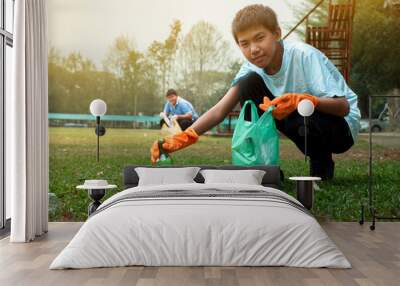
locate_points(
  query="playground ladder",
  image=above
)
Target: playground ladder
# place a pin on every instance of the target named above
(334, 39)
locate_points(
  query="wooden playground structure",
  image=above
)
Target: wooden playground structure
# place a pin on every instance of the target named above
(334, 40)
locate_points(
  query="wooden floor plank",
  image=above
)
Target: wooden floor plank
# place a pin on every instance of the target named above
(374, 255)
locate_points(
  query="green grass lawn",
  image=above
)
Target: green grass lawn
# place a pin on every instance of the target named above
(73, 159)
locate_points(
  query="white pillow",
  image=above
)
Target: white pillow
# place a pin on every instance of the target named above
(166, 176)
(249, 177)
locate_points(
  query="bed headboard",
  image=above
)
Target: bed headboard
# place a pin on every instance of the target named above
(272, 178)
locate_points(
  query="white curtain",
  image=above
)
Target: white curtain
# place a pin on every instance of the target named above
(27, 123)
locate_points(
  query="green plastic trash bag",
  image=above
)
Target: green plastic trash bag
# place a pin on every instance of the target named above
(255, 142)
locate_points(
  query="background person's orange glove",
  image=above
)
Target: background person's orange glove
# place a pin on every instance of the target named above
(174, 143)
(286, 103)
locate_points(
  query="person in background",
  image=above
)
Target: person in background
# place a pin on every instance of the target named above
(180, 109)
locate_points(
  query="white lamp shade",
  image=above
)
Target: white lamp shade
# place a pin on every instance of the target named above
(305, 107)
(98, 107)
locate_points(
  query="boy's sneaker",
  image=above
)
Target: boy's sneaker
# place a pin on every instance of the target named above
(322, 168)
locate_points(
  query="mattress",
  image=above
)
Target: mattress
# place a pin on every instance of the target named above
(201, 225)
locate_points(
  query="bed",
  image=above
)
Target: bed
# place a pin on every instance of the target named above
(201, 224)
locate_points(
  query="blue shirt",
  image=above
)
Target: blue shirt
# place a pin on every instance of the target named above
(307, 70)
(181, 107)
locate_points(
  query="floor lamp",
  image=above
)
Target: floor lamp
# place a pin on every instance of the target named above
(98, 108)
(304, 184)
(305, 109)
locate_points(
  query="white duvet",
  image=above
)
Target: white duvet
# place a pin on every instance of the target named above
(185, 231)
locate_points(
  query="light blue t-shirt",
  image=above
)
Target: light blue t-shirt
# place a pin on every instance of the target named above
(181, 107)
(307, 70)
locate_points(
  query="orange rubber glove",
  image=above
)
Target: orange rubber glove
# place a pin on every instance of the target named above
(174, 143)
(286, 103)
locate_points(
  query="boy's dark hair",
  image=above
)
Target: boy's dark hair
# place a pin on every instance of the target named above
(254, 15)
(171, 92)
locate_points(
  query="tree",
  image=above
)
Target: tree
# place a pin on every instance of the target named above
(376, 49)
(117, 55)
(56, 72)
(75, 62)
(162, 54)
(71, 82)
(140, 80)
(202, 61)
(130, 80)
(136, 78)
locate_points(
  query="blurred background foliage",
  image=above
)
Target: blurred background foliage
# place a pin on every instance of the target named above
(197, 65)
(200, 65)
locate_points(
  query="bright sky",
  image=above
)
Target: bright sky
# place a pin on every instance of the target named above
(90, 26)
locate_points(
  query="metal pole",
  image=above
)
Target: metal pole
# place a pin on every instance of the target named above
(98, 136)
(372, 210)
(305, 139)
(370, 153)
